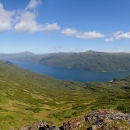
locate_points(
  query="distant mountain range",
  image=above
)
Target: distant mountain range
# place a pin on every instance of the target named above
(90, 60)
(15, 55)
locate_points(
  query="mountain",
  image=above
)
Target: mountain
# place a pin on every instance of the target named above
(27, 97)
(16, 55)
(90, 60)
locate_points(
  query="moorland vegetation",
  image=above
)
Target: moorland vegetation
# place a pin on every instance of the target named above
(27, 97)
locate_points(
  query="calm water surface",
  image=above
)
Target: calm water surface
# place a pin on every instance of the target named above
(70, 74)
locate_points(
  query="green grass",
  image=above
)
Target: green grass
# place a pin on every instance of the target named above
(27, 97)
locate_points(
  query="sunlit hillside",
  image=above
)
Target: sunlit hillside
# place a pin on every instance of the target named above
(28, 97)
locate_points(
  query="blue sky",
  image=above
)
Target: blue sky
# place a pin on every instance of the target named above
(47, 26)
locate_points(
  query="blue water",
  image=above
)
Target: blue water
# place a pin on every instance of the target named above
(70, 74)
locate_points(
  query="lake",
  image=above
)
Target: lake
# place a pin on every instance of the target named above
(69, 73)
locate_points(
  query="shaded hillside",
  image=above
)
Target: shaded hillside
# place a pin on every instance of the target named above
(28, 97)
(15, 55)
(94, 61)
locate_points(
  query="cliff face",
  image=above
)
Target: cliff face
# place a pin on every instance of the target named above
(96, 120)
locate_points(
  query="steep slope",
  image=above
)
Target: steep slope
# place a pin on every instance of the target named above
(28, 97)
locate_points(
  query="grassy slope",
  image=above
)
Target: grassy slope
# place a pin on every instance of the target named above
(27, 97)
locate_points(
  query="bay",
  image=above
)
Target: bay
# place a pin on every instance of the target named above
(70, 73)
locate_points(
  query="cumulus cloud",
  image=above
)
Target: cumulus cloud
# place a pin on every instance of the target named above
(120, 34)
(33, 4)
(5, 19)
(91, 34)
(109, 39)
(50, 27)
(86, 35)
(26, 21)
(69, 32)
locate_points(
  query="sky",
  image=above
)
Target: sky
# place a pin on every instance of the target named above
(49, 26)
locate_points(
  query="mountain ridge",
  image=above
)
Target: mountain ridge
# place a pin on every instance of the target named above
(90, 60)
(15, 55)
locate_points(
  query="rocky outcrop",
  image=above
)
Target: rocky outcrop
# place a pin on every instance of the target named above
(110, 120)
(96, 120)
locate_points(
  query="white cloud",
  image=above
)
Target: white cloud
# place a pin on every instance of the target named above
(33, 4)
(50, 27)
(69, 31)
(117, 33)
(86, 35)
(5, 19)
(109, 39)
(91, 34)
(26, 21)
(120, 34)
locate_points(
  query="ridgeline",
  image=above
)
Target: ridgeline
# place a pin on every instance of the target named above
(90, 60)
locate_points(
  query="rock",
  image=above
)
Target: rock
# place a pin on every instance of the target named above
(39, 126)
(96, 120)
(101, 118)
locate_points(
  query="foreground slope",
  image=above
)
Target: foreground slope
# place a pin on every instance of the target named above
(28, 97)
(102, 119)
